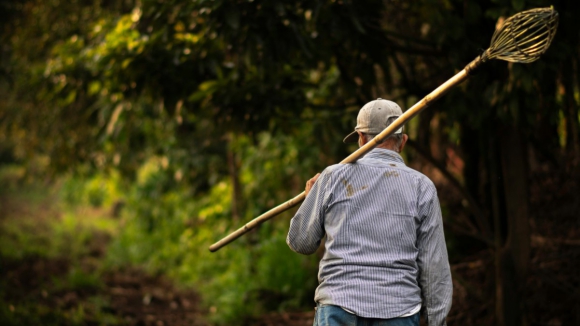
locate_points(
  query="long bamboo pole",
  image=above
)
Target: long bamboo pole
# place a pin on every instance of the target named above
(410, 113)
(523, 38)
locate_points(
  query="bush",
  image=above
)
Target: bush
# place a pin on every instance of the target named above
(97, 190)
(168, 230)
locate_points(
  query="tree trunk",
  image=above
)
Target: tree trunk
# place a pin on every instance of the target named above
(514, 257)
(499, 240)
(475, 173)
(233, 167)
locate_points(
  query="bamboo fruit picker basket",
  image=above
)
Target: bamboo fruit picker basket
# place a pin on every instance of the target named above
(522, 38)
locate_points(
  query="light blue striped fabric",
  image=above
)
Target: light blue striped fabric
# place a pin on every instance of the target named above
(385, 249)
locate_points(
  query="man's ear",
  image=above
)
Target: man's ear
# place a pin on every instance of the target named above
(361, 140)
(403, 142)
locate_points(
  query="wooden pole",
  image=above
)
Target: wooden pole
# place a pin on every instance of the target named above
(401, 120)
(536, 28)
(257, 221)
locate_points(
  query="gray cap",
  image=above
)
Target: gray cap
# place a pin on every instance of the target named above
(373, 117)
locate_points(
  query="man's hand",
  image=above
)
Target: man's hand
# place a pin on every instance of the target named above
(310, 183)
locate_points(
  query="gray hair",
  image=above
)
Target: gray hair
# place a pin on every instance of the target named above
(396, 138)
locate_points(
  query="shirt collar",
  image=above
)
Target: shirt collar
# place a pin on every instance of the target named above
(385, 154)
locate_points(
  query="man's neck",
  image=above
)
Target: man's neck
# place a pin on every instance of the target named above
(386, 146)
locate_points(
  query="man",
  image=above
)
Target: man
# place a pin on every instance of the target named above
(385, 257)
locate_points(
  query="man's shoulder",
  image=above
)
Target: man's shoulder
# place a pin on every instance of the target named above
(419, 175)
(335, 172)
(422, 181)
(335, 168)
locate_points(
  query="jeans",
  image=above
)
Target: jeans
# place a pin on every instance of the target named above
(327, 315)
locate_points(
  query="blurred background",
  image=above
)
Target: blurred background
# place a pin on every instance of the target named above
(134, 134)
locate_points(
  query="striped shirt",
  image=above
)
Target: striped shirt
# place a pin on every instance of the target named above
(385, 249)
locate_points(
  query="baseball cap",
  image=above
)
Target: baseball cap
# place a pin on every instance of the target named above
(373, 117)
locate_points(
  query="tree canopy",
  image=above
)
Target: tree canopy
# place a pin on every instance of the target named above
(216, 88)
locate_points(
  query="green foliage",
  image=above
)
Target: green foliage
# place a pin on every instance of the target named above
(79, 280)
(168, 230)
(23, 239)
(132, 80)
(53, 234)
(97, 190)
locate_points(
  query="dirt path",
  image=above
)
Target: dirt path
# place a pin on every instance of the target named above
(151, 300)
(132, 296)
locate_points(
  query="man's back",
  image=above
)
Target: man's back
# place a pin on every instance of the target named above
(384, 238)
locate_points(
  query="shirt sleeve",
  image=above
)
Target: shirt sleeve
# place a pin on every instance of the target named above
(434, 271)
(307, 226)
